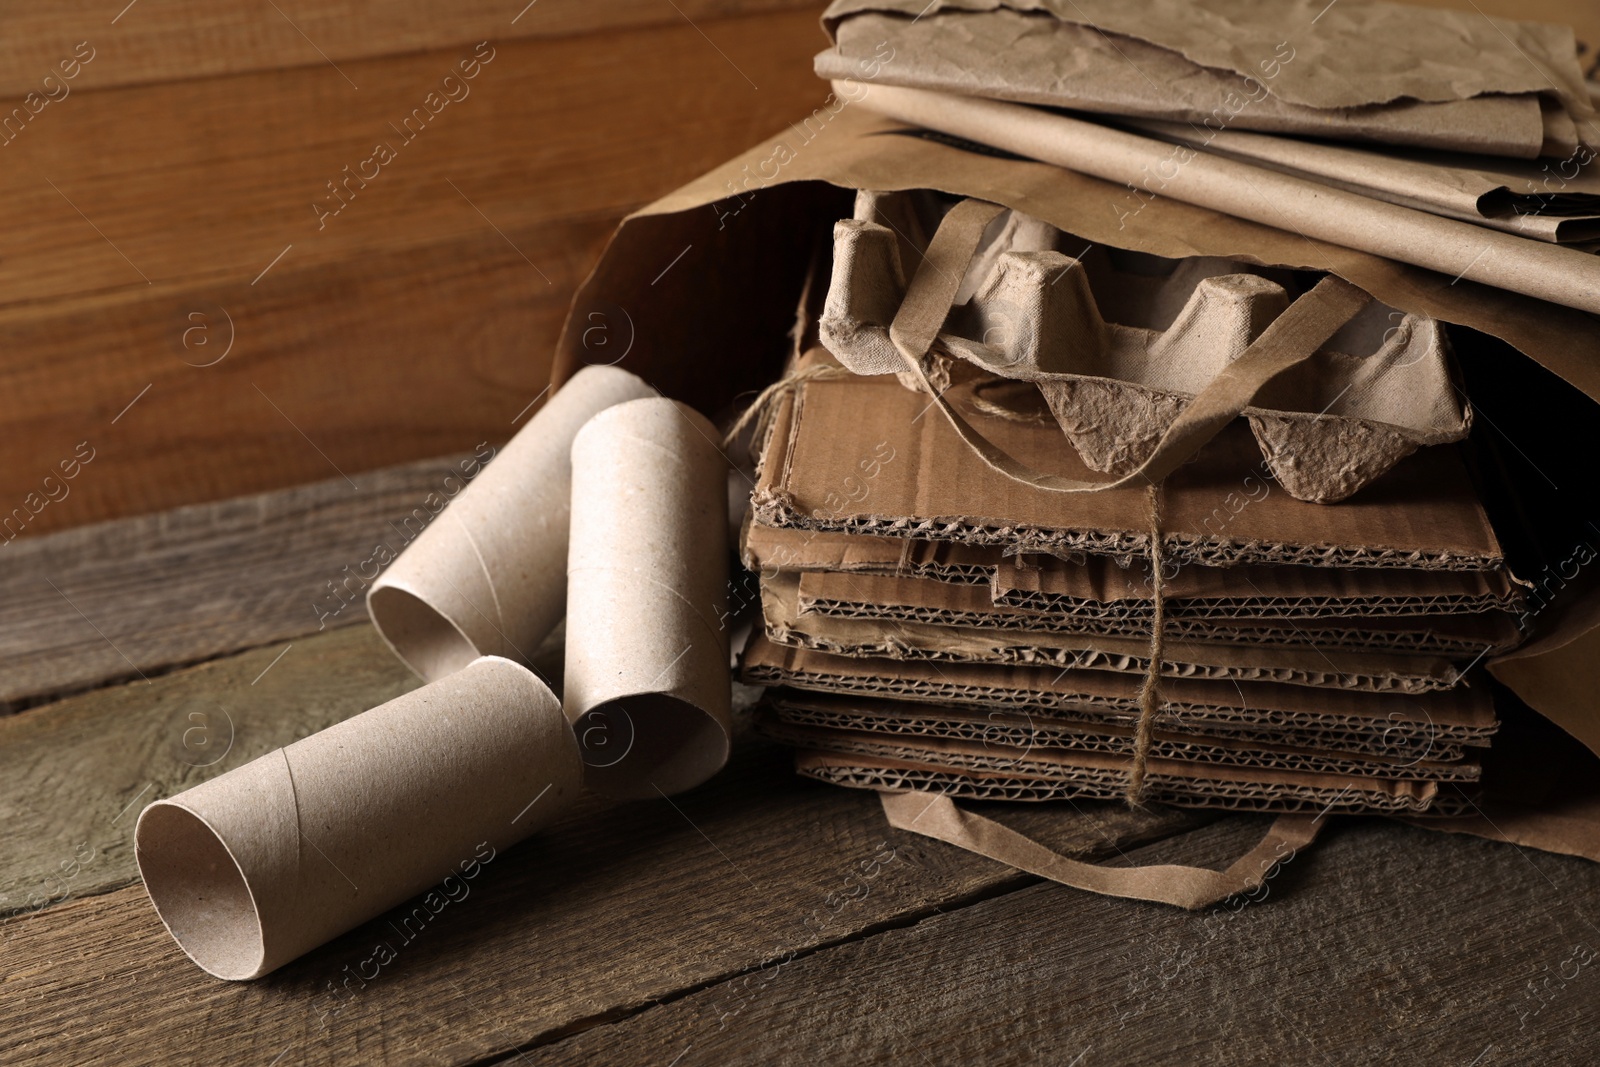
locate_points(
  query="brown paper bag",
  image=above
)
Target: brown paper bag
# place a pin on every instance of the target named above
(753, 224)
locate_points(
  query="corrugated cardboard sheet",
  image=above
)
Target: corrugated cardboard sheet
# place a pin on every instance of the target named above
(1411, 726)
(922, 600)
(808, 721)
(900, 474)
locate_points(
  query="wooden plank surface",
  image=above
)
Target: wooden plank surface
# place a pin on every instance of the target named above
(1385, 944)
(616, 907)
(539, 135)
(155, 225)
(134, 597)
(761, 918)
(75, 774)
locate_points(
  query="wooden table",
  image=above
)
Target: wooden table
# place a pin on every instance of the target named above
(760, 918)
(165, 631)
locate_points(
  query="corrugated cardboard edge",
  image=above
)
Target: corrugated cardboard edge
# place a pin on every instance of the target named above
(1024, 728)
(1036, 583)
(915, 600)
(1168, 783)
(1358, 671)
(1031, 582)
(1260, 711)
(795, 720)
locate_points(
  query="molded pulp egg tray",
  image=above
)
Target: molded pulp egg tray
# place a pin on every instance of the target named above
(1116, 344)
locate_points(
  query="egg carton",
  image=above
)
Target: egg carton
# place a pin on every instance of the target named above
(1114, 345)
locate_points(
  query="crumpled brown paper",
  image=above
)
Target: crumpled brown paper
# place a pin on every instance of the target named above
(1350, 70)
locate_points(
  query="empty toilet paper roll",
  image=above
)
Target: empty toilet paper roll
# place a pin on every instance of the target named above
(487, 576)
(647, 679)
(268, 861)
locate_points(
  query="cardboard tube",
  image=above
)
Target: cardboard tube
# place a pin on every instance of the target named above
(264, 863)
(647, 679)
(1457, 249)
(486, 576)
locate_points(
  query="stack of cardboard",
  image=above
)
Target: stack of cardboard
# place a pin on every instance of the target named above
(1300, 638)
(932, 624)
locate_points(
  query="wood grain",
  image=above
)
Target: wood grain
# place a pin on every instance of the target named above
(615, 907)
(223, 174)
(170, 40)
(1384, 944)
(132, 598)
(75, 774)
(423, 313)
(207, 432)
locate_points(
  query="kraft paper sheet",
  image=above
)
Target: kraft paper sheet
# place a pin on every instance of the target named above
(1360, 52)
(1243, 190)
(938, 816)
(1262, 67)
(1534, 200)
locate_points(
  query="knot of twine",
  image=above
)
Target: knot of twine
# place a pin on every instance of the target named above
(759, 407)
(1150, 692)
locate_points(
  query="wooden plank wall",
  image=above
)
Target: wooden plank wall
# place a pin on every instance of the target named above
(160, 213)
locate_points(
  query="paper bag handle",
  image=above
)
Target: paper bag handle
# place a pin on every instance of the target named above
(939, 817)
(1290, 339)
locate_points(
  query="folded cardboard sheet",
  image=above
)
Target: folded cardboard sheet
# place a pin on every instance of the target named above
(959, 771)
(900, 474)
(768, 549)
(1368, 672)
(1098, 587)
(799, 719)
(1379, 724)
(920, 600)
(1094, 586)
